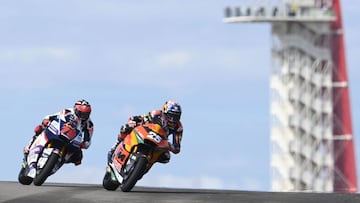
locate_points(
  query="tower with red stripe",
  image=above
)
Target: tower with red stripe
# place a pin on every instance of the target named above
(311, 127)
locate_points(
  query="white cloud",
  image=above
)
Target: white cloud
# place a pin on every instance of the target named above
(173, 60)
(91, 175)
(79, 174)
(31, 54)
(36, 66)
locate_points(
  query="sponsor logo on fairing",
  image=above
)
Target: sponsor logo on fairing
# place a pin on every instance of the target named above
(36, 150)
(53, 129)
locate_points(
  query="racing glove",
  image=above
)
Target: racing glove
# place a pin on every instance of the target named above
(135, 121)
(44, 124)
(126, 129)
(174, 148)
(85, 145)
(38, 129)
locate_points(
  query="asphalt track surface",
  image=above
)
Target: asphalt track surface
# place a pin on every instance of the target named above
(53, 192)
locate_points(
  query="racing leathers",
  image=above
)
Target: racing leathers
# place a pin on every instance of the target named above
(86, 127)
(174, 132)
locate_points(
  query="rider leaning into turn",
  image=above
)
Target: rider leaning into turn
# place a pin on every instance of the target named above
(169, 116)
(81, 113)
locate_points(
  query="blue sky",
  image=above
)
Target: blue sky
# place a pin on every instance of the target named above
(128, 58)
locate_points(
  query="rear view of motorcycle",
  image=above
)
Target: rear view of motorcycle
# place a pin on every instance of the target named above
(51, 149)
(134, 156)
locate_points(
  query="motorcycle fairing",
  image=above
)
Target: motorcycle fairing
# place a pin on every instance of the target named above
(126, 152)
(43, 145)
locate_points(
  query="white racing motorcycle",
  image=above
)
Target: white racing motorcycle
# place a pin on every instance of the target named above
(50, 150)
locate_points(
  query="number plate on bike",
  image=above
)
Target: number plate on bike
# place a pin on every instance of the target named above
(157, 138)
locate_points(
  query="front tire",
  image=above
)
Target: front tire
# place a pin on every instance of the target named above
(135, 175)
(45, 172)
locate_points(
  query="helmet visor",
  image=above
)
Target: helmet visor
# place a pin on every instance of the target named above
(83, 115)
(172, 117)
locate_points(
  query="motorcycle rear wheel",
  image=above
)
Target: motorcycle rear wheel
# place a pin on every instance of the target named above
(108, 183)
(46, 171)
(134, 175)
(23, 179)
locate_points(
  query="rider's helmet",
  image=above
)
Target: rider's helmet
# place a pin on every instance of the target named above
(82, 109)
(172, 112)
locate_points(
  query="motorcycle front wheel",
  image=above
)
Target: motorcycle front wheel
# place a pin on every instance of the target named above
(135, 174)
(46, 171)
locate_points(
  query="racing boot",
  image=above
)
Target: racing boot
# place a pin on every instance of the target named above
(111, 152)
(27, 147)
(75, 158)
(124, 131)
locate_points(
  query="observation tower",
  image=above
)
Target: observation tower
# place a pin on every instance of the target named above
(311, 127)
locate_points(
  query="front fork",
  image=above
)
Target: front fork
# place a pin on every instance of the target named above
(48, 150)
(130, 165)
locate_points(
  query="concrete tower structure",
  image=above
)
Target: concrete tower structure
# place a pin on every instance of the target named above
(311, 129)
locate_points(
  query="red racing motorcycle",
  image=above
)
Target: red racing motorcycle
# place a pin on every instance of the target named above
(135, 156)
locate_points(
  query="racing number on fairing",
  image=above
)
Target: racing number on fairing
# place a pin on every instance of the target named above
(68, 130)
(154, 136)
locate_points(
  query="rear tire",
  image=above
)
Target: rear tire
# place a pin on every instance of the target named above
(135, 175)
(23, 179)
(108, 182)
(46, 171)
